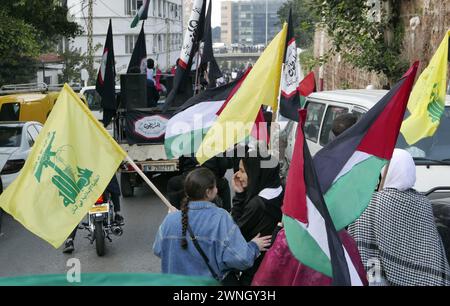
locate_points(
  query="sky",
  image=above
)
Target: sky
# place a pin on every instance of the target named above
(215, 18)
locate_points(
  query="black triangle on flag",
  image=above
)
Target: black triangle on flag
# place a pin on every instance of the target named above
(106, 77)
(139, 56)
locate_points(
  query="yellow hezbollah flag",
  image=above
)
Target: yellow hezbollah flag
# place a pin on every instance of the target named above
(427, 100)
(261, 86)
(70, 165)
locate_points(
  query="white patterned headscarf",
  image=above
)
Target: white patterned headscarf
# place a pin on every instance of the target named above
(402, 171)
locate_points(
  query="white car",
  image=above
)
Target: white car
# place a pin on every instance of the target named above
(431, 155)
(93, 100)
(16, 140)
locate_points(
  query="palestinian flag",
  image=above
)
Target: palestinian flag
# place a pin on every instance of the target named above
(141, 14)
(306, 87)
(187, 128)
(349, 166)
(310, 233)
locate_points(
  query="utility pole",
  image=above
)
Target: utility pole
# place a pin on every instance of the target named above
(267, 20)
(90, 43)
(168, 42)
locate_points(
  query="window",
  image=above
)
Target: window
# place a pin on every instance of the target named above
(130, 41)
(154, 44)
(359, 112)
(326, 135)
(132, 6)
(313, 120)
(93, 99)
(10, 112)
(32, 134)
(10, 136)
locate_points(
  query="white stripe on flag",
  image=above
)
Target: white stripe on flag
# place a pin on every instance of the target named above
(201, 115)
(316, 228)
(355, 159)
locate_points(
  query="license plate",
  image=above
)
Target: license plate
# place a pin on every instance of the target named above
(99, 209)
(160, 168)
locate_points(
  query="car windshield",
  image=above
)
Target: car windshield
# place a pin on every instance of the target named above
(434, 148)
(10, 136)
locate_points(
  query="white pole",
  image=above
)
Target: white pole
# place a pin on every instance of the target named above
(153, 187)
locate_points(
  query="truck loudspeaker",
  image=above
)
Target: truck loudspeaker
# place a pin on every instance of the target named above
(133, 87)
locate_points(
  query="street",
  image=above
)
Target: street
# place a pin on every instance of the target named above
(23, 253)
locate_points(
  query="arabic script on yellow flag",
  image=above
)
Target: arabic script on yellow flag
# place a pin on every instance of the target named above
(427, 100)
(68, 168)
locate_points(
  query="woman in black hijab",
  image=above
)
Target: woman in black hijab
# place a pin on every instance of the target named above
(257, 203)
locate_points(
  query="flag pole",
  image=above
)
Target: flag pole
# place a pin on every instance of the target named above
(279, 94)
(196, 70)
(275, 126)
(149, 183)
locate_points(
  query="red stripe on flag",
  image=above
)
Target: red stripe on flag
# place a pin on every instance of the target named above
(294, 203)
(307, 85)
(182, 64)
(259, 130)
(233, 91)
(382, 136)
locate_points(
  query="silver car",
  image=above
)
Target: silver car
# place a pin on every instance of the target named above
(16, 140)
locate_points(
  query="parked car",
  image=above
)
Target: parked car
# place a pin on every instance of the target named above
(16, 140)
(28, 102)
(431, 155)
(93, 100)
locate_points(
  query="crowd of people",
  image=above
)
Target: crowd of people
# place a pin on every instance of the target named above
(245, 243)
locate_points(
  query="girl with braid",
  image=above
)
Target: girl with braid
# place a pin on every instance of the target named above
(216, 235)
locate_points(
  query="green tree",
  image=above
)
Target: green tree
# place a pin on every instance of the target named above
(364, 39)
(29, 28)
(302, 19)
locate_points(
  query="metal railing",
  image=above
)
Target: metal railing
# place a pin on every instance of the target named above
(26, 87)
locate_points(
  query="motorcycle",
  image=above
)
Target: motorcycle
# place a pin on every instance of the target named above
(101, 223)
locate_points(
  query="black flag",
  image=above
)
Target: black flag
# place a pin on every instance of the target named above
(139, 56)
(106, 78)
(192, 38)
(208, 54)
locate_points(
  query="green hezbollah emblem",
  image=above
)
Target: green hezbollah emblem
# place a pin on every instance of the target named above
(68, 186)
(435, 107)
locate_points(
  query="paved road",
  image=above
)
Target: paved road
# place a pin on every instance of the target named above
(23, 253)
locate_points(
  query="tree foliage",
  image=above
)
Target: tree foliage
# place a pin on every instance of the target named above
(302, 19)
(368, 41)
(29, 28)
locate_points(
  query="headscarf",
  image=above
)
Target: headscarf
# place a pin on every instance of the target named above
(402, 171)
(397, 231)
(260, 178)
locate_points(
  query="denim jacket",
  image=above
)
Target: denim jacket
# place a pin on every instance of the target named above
(218, 236)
